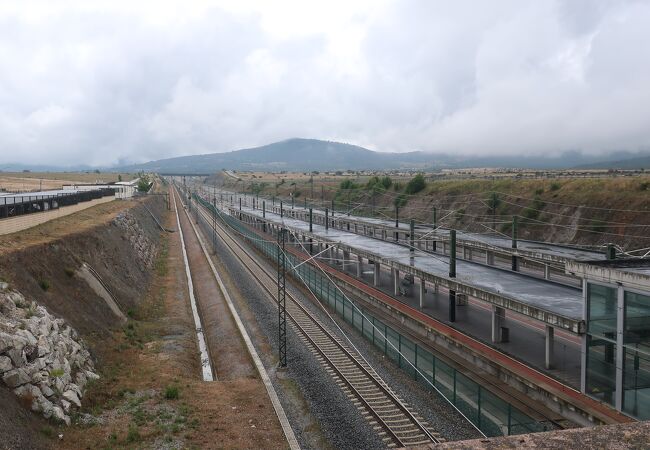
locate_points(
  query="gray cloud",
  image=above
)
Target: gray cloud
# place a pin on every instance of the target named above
(98, 86)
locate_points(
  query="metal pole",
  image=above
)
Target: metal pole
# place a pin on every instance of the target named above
(452, 274)
(611, 251)
(264, 215)
(435, 225)
(282, 294)
(412, 235)
(515, 262)
(327, 221)
(281, 210)
(311, 228)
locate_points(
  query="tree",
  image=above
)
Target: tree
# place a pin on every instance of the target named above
(416, 184)
(119, 177)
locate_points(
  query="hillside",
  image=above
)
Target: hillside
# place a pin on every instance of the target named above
(582, 211)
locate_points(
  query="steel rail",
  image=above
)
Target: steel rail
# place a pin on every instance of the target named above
(402, 434)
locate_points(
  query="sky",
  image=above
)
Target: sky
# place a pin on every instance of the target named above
(102, 82)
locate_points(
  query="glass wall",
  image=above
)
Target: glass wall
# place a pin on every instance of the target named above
(601, 343)
(636, 364)
(601, 311)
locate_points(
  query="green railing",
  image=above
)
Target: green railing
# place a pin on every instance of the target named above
(489, 413)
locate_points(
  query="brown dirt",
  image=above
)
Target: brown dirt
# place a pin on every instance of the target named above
(63, 227)
(227, 349)
(155, 352)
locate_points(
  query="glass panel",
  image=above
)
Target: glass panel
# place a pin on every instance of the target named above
(601, 313)
(637, 320)
(636, 383)
(601, 369)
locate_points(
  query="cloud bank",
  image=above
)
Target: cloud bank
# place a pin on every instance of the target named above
(101, 83)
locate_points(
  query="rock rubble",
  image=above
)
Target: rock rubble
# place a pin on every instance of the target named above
(133, 232)
(42, 358)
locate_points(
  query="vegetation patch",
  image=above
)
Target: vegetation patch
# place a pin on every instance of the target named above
(416, 184)
(44, 284)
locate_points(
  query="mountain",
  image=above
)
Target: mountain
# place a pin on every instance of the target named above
(290, 155)
(639, 162)
(312, 154)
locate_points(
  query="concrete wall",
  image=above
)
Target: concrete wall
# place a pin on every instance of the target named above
(19, 223)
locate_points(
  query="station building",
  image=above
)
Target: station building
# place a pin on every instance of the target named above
(616, 346)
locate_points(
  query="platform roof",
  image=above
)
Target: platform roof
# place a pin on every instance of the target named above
(541, 299)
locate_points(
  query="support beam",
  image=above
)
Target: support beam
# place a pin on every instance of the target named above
(377, 278)
(498, 315)
(359, 266)
(395, 281)
(549, 341)
(489, 258)
(412, 236)
(452, 274)
(515, 259)
(422, 292)
(547, 272)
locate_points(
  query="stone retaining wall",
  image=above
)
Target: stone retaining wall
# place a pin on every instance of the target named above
(41, 357)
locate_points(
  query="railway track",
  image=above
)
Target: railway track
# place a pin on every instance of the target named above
(390, 416)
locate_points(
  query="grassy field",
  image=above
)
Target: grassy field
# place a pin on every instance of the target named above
(33, 181)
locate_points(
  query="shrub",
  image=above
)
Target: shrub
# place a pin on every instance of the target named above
(386, 182)
(400, 200)
(416, 184)
(56, 373)
(69, 271)
(133, 435)
(44, 284)
(539, 191)
(348, 184)
(644, 186)
(598, 226)
(555, 186)
(171, 392)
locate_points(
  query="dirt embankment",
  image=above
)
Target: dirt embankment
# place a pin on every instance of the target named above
(119, 241)
(584, 211)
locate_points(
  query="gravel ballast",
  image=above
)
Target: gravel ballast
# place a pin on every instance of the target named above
(341, 423)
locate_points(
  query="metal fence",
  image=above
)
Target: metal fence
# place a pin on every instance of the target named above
(491, 414)
(16, 205)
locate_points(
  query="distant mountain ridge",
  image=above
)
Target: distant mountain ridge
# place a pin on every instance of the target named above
(299, 154)
(291, 155)
(303, 155)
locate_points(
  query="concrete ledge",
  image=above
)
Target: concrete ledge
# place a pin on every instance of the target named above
(612, 437)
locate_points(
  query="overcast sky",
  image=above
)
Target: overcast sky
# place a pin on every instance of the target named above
(101, 82)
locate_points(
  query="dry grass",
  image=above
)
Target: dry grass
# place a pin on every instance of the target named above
(30, 181)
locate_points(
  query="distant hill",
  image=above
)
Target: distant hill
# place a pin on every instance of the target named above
(290, 155)
(640, 162)
(312, 154)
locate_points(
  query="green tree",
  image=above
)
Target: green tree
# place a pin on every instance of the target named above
(416, 184)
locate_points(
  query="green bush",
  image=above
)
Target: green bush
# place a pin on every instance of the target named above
(416, 184)
(348, 184)
(555, 186)
(44, 284)
(133, 435)
(69, 271)
(171, 392)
